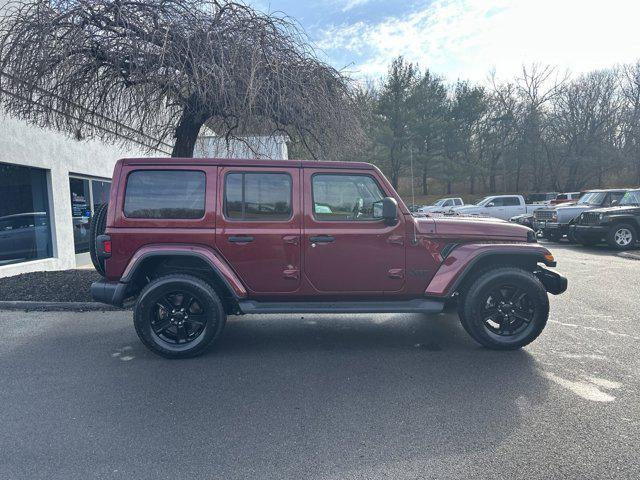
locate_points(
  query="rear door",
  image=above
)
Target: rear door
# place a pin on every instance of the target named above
(258, 226)
(347, 249)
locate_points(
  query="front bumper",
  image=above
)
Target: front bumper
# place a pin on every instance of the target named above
(112, 293)
(553, 282)
(552, 227)
(590, 231)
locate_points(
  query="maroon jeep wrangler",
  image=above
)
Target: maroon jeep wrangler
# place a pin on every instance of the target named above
(195, 240)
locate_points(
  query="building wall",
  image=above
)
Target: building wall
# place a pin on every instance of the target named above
(28, 145)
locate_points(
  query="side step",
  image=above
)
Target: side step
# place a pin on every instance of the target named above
(403, 306)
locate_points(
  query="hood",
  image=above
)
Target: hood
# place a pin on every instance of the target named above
(463, 208)
(573, 207)
(620, 210)
(433, 208)
(483, 228)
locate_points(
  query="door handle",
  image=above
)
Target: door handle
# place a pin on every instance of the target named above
(322, 239)
(241, 239)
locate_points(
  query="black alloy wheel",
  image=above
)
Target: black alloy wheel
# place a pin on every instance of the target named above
(504, 308)
(178, 316)
(507, 311)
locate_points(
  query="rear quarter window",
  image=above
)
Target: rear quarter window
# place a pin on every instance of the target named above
(165, 194)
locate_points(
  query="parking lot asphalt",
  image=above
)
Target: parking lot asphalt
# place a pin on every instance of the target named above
(332, 396)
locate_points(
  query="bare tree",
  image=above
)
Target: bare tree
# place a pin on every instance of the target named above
(165, 68)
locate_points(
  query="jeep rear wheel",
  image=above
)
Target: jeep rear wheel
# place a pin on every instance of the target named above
(178, 316)
(505, 308)
(622, 236)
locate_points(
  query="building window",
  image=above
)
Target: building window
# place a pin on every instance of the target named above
(165, 194)
(25, 231)
(258, 196)
(86, 195)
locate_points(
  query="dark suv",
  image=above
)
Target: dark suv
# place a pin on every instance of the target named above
(195, 240)
(618, 225)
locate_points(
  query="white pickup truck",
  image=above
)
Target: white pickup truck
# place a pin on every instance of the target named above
(498, 206)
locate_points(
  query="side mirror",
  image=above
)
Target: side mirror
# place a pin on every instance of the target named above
(389, 210)
(491, 204)
(614, 203)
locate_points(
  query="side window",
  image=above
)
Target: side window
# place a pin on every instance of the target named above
(258, 196)
(615, 196)
(346, 197)
(166, 194)
(448, 203)
(458, 201)
(497, 202)
(511, 201)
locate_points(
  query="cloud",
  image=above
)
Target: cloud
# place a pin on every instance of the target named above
(351, 4)
(468, 38)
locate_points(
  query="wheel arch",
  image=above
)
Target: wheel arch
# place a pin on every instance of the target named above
(631, 219)
(458, 270)
(155, 261)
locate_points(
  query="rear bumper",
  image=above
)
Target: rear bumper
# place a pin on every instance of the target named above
(111, 293)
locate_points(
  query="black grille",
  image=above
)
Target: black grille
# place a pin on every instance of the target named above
(543, 214)
(589, 218)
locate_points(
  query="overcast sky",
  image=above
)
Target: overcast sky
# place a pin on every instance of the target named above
(467, 38)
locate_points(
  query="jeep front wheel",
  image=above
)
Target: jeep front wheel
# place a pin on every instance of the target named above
(622, 236)
(505, 308)
(178, 316)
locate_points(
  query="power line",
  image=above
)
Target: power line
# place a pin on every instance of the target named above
(153, 144)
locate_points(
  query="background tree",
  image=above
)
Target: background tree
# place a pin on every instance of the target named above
(395, 113)
(165, 68)
(428, 105)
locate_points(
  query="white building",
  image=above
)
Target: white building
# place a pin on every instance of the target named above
(50, 184)
(264, 147)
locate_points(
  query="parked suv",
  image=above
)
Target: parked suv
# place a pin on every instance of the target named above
(554, 222)
(194, 240)
(618, 225)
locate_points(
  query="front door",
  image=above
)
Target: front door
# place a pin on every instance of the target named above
(347, 247)
(258, 226)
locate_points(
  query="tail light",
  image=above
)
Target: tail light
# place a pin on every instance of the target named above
(103, 246)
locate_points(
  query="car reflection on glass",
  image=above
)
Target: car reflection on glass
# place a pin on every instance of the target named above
(23, 235)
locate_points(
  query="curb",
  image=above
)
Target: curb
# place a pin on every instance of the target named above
(59, 306)
(631, 255)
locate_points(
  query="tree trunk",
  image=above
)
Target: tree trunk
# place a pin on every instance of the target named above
(425, 187)
(449, 187)
(472, 184)
(187, 133)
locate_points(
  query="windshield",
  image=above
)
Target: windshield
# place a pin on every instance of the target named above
(631, 198)
(439, 203)
(592, 198)
(484, 201)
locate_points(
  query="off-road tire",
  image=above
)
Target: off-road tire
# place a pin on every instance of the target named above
(97, 227)
(143, 315)
(471, 303)
(613, 236)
